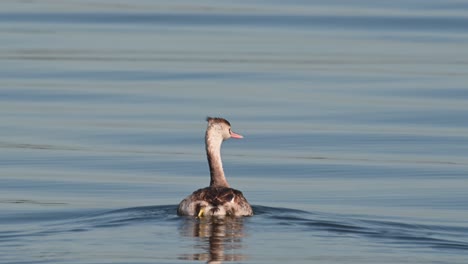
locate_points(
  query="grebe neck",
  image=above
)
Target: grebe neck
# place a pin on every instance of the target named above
(213, 153)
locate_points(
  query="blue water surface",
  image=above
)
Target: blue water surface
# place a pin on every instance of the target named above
(354, 117)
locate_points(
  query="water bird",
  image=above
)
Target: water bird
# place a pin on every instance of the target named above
(218, 199)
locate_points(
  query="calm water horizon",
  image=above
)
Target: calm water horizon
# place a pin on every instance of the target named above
(354, 117)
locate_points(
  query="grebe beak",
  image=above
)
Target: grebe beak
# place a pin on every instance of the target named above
(234, 135)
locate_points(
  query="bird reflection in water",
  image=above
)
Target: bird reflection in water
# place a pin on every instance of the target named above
(219, 238)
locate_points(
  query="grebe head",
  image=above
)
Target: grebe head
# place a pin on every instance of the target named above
(220, 128)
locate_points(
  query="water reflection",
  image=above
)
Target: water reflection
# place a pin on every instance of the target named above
(216, 239)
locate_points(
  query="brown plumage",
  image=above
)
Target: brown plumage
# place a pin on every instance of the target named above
(218, 199)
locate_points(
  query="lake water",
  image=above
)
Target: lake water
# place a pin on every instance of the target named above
(354, 113)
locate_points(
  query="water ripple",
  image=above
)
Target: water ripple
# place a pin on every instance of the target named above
(397, 233)
(266, 220)
(369, 22)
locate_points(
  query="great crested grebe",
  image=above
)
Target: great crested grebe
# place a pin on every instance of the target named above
(219, 199)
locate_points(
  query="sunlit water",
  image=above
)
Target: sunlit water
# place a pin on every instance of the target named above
(354, 115)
